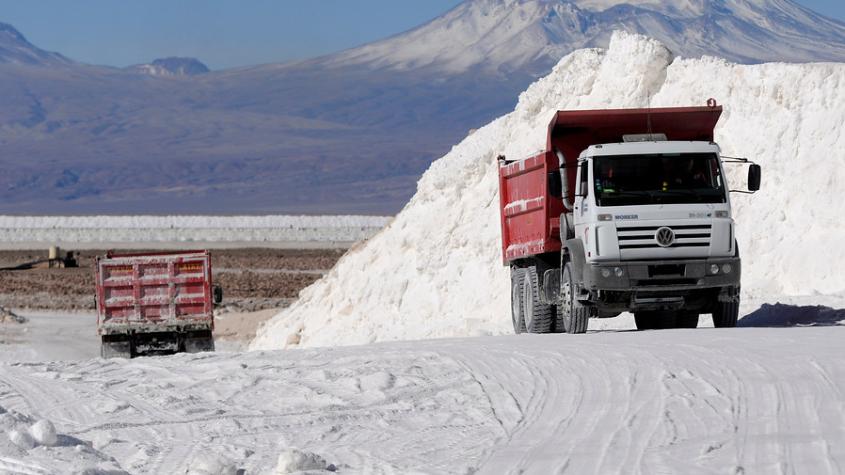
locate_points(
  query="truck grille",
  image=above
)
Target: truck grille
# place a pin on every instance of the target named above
(644, 237)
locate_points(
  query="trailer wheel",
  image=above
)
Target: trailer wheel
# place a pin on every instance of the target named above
(726, 314)
(517, 275)
(572, 315)
(113, 346)
(199, 341)
(536, 314)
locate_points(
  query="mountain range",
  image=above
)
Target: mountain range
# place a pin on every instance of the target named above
(345, 133)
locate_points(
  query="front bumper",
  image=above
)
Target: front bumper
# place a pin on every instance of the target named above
(684, 274)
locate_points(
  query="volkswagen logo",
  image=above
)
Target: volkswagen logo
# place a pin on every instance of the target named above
(665, 237)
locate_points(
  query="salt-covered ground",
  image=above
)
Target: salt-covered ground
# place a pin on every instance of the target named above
(745, 400)
(27, 232)
(47, 336)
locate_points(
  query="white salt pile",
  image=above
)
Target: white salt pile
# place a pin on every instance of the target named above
(32, 446)
(296, 461)
(436, 270)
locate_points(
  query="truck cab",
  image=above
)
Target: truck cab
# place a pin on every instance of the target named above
(655, 221)
(626, 211)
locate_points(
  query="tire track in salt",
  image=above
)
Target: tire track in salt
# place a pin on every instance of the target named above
(595, 406)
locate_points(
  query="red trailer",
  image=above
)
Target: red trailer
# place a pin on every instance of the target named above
(155, 302)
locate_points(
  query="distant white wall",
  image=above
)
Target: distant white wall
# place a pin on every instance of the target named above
(273, 231)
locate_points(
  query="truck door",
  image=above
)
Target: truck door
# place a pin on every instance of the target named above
(580, 200)
(582, 191)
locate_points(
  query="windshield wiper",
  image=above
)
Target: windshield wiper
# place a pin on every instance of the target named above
(612, 194)
(645, 197)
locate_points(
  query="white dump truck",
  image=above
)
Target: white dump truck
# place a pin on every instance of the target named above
(624, 211)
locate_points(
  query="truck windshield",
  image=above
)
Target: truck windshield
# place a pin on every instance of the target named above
(658, 179)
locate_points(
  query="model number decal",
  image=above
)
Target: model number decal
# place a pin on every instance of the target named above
(627, 216)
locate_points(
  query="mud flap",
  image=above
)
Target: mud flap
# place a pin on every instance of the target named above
(551, 287)
(577, 257)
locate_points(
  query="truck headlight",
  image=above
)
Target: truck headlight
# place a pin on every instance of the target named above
(605, 272)
(618, 271)
(726, 268)
(714, 269)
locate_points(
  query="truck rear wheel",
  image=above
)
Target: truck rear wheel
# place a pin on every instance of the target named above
(199, 341)
(726, 314)
(517, 275)
(572, 315)
(536, 314)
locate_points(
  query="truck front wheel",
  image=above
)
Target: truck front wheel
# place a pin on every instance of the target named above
(536, 314)
(726, 314)
(572, 315)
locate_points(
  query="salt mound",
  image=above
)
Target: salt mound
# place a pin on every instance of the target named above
(44, 432)
(294, 461)
(436, 270)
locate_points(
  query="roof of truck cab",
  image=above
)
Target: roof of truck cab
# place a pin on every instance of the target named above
(648, 148)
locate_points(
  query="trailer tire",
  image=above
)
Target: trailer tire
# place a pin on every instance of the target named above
(517, 275)
(536, 315)
(115, 347)
(726, 314)
(572, 316)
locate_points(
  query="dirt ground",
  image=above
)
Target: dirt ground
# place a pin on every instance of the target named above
(252, 279)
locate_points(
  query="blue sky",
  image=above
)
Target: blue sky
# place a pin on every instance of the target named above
(227, 33)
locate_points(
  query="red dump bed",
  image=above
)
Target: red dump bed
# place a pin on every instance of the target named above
(166, 291)
(530, 206)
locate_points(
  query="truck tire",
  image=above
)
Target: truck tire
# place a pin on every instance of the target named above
(725, 314)
(517, 275)
(115, 347)
(572, 316)
(537, 316)
(199, 341)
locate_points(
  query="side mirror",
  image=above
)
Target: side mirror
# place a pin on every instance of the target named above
(754, 175)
